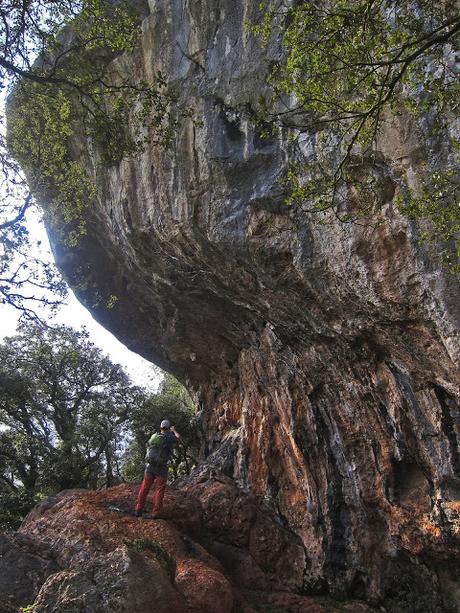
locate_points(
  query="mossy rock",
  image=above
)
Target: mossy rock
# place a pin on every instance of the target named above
(165, 560)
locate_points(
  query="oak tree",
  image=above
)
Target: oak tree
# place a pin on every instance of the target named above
(64, 411)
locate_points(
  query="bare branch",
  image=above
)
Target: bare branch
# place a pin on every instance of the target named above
(20, 215)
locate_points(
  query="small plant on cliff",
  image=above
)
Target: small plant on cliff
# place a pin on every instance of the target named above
(349, 69)
(165, 560)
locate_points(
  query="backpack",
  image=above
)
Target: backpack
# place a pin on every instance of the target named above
(156, 450)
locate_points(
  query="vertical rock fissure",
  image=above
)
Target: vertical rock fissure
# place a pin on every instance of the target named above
(450, 424)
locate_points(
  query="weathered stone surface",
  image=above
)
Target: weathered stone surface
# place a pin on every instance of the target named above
(207, 586)
(120, 581)
(24, 566)
(257, 549)
(111, 561)
(326, 356)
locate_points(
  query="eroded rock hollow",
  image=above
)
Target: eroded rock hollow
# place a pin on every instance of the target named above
(323, 356)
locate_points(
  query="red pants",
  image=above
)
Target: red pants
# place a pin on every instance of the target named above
(158, 492)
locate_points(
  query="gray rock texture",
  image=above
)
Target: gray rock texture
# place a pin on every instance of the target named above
(325, 354)
(24, 565)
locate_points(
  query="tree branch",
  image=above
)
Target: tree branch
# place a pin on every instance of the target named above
(20, 215)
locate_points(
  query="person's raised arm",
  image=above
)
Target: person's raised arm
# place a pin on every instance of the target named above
(175, 432)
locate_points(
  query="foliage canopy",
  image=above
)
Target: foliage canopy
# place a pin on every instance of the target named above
(345, 70)
(64, 409)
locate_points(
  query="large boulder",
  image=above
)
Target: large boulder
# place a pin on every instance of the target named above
(101, 558)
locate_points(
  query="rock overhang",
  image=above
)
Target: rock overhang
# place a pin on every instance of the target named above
(334, 348)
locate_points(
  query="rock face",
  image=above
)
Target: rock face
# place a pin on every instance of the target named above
(104, 559)
(324, 355)
(24, 565)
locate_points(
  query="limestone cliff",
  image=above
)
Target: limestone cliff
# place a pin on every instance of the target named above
(324, 357)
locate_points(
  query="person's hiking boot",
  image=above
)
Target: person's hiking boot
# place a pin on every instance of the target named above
(153, 516)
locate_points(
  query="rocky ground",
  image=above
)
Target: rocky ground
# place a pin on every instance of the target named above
(215, 551)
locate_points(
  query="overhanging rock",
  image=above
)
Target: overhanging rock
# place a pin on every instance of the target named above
(327, 353)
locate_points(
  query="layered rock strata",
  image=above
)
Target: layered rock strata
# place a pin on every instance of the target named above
(324, 354)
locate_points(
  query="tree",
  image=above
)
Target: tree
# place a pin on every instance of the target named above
(64, 409)
(55, 63)
(350, 67)
(26, 280)
(172, 402)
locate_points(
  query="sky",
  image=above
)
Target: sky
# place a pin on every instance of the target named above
(74, 314)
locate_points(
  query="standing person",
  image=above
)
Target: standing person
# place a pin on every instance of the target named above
(159, 450)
